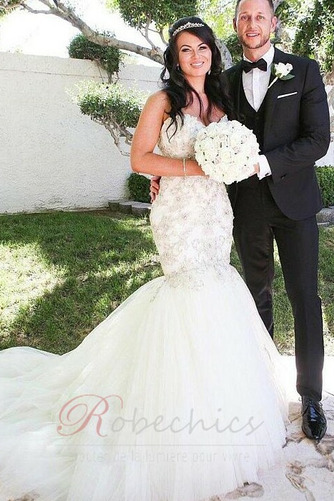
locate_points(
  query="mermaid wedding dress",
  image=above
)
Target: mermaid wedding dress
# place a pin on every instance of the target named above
(174, 396)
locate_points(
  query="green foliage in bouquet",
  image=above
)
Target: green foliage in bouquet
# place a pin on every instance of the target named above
(139, 187)
(325, 177)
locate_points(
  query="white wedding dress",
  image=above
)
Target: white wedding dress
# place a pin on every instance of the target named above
(173, 397)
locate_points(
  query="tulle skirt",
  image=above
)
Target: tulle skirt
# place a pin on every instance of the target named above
(174, 397)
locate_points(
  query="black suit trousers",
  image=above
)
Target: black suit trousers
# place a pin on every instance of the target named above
(257, 222)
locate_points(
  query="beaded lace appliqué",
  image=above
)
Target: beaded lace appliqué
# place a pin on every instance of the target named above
(192, 217)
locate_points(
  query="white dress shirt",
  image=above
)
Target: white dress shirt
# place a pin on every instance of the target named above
(255, 84)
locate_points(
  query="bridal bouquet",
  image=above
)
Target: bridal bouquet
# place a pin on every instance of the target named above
(227, 151)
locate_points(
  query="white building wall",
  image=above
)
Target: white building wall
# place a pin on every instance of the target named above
(51, 156)
(329, 158)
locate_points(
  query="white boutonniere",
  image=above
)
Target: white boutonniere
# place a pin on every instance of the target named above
(281, 71)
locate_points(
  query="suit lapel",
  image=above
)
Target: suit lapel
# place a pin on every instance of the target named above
(271, 95)
(236, 84)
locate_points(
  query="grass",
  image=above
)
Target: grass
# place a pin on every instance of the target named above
(62, 273)
(284, 331)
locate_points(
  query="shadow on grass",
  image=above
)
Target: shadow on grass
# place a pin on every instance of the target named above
(284, 325)
(284, 334)
(102, 261)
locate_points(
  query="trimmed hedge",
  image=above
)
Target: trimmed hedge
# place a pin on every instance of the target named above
(139, 188)
(110, 103)
(108, 57)
(325, 177)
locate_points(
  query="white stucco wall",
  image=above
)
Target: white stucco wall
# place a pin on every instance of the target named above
(51, 156)
(329, 158)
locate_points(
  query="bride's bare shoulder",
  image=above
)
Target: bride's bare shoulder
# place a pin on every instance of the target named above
(160, 97)
(159, 102)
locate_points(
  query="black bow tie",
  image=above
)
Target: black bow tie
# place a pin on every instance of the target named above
(247, 66)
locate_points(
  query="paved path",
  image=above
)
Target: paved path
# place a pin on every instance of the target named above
(325, 217)
(306, 472)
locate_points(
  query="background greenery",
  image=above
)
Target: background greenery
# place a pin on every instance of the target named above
(305, 27)
(62, 273)
(139, 186)
(105, 103)
(141, 13)
(113, 106)
(109, 58)
(325, 177)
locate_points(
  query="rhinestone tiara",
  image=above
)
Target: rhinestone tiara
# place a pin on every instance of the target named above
(187, 26)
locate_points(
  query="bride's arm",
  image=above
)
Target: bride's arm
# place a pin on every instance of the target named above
(146, 136)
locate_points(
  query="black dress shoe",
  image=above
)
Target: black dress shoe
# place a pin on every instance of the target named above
(314, 422)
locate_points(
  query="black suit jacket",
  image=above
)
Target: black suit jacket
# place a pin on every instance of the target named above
(296, 133)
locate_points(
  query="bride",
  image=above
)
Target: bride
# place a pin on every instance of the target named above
(174, 397)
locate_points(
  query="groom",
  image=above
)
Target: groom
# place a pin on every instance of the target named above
(290, 118)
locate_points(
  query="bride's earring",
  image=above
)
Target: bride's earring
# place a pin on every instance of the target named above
(177, 67)
(209, 72)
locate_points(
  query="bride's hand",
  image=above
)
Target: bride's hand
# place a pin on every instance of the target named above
(154, 187)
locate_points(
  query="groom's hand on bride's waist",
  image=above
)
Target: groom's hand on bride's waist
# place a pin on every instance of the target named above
(154, 187)
(256, 170)
(155, 183)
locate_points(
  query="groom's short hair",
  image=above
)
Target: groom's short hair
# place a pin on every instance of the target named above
(270, 3)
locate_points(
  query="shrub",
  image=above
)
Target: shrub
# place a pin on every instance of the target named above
(233, 45)
(110, 103)
(325, 177)
(108, 57)
(139, 187)
(138, 13)
(113, 106)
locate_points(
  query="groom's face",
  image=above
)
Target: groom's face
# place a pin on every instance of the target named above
(254, 22)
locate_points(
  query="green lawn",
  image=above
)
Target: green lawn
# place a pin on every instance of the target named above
(62, 273)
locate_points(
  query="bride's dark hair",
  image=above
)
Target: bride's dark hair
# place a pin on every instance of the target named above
(178, 90)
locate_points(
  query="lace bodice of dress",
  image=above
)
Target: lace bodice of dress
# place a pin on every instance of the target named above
(191, 218)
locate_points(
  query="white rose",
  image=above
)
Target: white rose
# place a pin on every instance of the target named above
(226, 151)
(282, 70)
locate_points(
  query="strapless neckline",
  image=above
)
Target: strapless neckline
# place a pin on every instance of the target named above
(177, 139)
(188, 115)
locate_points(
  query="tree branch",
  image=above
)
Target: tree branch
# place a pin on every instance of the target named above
(117, 132)
(145, 33)
(67, 14)
(35, 11)
(153, 53)
(161, 33)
